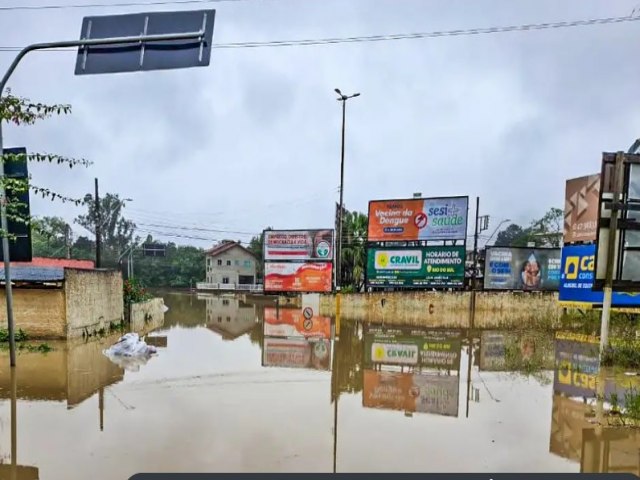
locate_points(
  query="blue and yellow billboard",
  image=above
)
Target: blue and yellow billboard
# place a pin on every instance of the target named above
(576, 281)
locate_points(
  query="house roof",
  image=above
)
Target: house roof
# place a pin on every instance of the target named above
(29, 273)
(56, 262)
(225, 247)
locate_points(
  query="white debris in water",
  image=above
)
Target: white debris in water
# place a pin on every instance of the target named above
(130, 345)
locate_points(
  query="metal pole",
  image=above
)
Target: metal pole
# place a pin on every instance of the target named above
(618, 171)
(67, 239)
(98, 220)
(339, 262)
(131, 257)
(475, 246)
(14, 422)
(7, 255)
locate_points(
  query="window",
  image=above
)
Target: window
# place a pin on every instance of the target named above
(247, 263)
(219, 319)
(219, 262)
(228, 319)
(237, 263)
(208, 262)
(228, 263)
(225, 302)
(225, 280)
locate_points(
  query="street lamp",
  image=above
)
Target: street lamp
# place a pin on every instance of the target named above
(496, 230)
(341, 98)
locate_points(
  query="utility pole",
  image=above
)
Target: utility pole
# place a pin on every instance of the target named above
(67, 239)
(98, 221)
(341, 98)
(618, 172)
(475, 245)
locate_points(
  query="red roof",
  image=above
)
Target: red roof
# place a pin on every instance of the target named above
(57, 262)
(223, 247)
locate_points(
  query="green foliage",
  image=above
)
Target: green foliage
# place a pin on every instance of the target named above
(256, 247)
(21, 111)
(545, 232)
(134, 292)
(20, 335)
(624, 354)
(354, 252)
(179, 268)
(115, 230)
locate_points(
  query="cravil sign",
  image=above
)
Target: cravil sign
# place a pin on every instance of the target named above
(418, 219)
(576, 283)
(416, 267)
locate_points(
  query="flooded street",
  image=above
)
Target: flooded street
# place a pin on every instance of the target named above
(223, 396)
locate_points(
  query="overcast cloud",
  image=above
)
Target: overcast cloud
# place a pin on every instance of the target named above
(254, 139)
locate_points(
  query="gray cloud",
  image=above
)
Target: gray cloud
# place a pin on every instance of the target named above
(253, 140)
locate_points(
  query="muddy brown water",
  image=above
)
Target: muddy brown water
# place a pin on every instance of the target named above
(237, 387)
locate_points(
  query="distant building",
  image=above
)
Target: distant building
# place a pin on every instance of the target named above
(229, 263)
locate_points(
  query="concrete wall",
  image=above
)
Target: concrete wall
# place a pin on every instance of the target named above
(447, 309)
(93, 300)
(39, 312)
(241, 263)
(146, 316)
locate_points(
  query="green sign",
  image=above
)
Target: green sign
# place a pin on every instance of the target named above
(411, 347)
(439, 266)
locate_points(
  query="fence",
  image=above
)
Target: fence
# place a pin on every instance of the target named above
(230, 287)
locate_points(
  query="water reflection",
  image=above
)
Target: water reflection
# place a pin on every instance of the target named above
(263, 389)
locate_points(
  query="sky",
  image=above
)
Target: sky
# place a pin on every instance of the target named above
(253, 140)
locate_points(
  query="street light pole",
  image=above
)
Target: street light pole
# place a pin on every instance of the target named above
(341, 98)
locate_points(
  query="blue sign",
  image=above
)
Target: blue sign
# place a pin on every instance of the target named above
(576, 282)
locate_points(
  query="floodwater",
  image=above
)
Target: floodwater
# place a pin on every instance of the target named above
(237, 387)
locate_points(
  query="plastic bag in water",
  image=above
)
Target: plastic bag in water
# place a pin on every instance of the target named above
(130, 345)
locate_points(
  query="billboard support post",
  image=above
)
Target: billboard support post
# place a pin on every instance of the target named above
(611, 251)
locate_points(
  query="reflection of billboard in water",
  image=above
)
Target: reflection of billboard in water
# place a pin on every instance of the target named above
(407, 346)
(290, 322)
(296, 353)
(522, 269)
(411, 392)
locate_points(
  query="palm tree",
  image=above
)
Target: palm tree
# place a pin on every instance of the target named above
(354, 250)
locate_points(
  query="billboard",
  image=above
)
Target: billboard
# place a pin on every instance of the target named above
(16, 167)
(405, 346)
(578, 275)
(296, 353)
(298, 277)
(416, 267)
(522, 269)
(411, 392)
(418, 219)
(298, 245)
(582, 200)
(290, 322)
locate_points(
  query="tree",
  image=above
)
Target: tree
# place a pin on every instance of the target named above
(548, 229)
(354, 252)
(544, 232)
(256, 247)
(116, 231)
(180, 266)
(49, 236)
(21, 111)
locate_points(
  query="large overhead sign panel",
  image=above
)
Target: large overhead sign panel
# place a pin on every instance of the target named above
(186, 42)
(581, 209)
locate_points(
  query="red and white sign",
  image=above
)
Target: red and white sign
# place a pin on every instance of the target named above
(298, 277)
(298, 245)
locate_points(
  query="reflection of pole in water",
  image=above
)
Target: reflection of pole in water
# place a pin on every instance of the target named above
(469, 354)
(334, 375)
(101, 407)
(14, 424)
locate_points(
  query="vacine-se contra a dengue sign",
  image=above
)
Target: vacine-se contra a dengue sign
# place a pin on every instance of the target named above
(418, 219)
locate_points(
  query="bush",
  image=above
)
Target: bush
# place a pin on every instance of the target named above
(19, 335)
(134, 292)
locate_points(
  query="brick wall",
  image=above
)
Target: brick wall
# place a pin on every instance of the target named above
(39, 312)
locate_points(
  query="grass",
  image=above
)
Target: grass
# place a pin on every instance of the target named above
(21, 338)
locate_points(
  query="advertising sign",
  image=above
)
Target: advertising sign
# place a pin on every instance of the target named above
(411, 392)
(578, 277)
(296, 353)
(291, 322)
(522, 268)
(416, 267)
(425, 348)
(298, 245)
(298, 277)
(418, 219)
(582, 197)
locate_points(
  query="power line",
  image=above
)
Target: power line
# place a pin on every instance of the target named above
(404, 36)
(123, 4)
